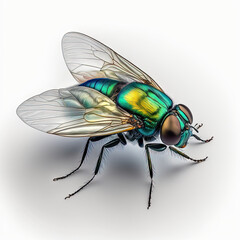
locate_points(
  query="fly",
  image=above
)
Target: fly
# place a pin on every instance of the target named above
(113, 97)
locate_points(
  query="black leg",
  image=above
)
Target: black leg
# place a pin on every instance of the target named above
(140, 142)
(159, 148)
(107, 145)
(199, 139)
(197, 126)
(92, 139)
(186, 156)
(122, 139)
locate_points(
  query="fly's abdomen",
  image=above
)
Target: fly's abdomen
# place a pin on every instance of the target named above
(146, 102)
(104, 85)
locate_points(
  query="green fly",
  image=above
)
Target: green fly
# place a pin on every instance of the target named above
(114, 97)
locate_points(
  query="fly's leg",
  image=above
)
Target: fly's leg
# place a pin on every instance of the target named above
(186, 156)
(92, 139)
(82, 160)
(159, 148)
(122, 139)
(140, 142)
(197, 126)
(199, 139)
(107, 145)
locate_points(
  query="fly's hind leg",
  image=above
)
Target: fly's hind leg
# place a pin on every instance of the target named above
(159, 148)
(110, 144)
(186, 156)
(92, 139)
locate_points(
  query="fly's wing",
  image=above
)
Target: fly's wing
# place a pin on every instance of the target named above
(75, 112)
(87, 58)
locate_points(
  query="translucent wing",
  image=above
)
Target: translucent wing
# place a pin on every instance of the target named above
(87, 58)
(75, 112)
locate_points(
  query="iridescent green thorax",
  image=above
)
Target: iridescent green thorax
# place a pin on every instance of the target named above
(146, 102)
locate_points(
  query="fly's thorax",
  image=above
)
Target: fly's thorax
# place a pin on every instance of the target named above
(146, 103)
(175, 126)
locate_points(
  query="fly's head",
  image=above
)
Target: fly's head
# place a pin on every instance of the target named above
(176, 126)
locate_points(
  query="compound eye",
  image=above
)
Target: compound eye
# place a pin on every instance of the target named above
(187, 112)
(171, 130)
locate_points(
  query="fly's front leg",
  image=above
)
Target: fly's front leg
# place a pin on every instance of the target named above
(92, 139)
(199, 139)
(186, 156)
(159, 148)
(197, 126)
(107, 145)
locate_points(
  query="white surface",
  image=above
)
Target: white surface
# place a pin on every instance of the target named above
(191, 48)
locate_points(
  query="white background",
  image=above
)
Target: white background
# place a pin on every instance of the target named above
(191, 48)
